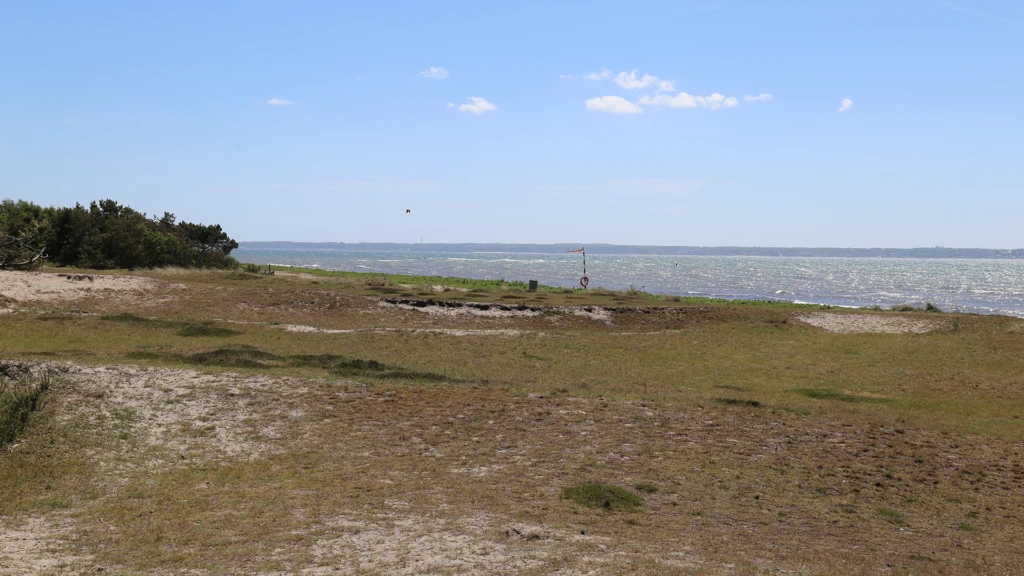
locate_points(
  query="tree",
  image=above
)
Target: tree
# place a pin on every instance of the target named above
(107, 235)
(23, 227)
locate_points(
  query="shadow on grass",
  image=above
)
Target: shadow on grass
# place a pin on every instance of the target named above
(245, 356)
(739, 402)
(127, 318)
(826, 394)
(206, 330)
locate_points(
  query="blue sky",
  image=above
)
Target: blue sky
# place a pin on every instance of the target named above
(620, 122)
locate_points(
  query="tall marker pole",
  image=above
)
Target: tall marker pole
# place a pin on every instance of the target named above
(584, 280)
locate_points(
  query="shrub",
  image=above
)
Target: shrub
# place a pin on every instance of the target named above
(17, 401)
(738, 402)
(603, 496)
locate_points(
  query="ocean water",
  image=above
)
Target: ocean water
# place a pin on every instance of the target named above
(966, 285)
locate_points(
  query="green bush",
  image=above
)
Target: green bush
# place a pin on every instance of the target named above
(603, 496)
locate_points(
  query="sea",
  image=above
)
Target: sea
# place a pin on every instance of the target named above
(971, 285)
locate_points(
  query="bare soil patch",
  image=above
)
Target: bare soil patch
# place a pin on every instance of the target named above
(49, 287)
(27, 547)
(869, 323)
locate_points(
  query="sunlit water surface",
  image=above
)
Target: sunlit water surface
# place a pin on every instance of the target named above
(968, 285)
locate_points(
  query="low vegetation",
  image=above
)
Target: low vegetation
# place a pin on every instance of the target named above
(19, 398)
(608, 497)
(229, 422)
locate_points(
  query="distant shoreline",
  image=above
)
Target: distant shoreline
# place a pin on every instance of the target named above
(935, 252)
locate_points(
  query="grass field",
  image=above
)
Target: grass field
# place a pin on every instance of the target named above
(316, 422)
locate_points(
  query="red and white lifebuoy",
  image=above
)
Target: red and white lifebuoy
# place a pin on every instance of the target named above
(584, 281)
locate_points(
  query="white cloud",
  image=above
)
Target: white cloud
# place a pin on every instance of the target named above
(631, 82)
(762, 97)
(434, 73)
(684, 100)
(479, 106)
(845, 105)
(613, 105)
(604, 74)
(279, 102)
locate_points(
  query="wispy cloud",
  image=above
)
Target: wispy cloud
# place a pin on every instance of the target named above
(478, 106)
(845, 105)
(958, 8)
(630, 81)
(604, 74)
(613, 105)
(762, 97)
(279, 102)
(434, 73)
(715, 101)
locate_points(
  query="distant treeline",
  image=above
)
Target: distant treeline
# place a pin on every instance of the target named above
(936, 252)
(106, 235)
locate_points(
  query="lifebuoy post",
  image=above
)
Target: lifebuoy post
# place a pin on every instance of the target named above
(584, 280)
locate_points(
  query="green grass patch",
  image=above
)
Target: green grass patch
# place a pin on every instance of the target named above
(603, 496)
(379, 280)
(891, 516)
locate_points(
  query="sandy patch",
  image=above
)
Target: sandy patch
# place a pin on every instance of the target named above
(25, 548)
(50, 287)
(301, 328)
(592, 312)
(868, 323)
(164, 412)
(409, 544)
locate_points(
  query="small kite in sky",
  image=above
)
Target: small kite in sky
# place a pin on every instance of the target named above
(407, 211)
